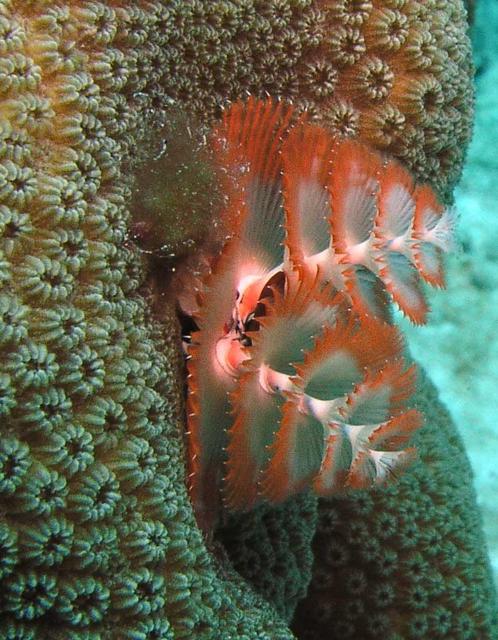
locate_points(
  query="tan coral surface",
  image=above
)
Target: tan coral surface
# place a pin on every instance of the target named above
(97, 536)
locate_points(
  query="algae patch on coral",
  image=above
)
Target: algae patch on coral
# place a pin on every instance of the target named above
(176, 194)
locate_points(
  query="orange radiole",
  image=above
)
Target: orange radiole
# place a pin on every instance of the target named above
(296, 376)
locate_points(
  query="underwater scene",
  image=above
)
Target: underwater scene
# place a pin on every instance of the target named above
(248, 319)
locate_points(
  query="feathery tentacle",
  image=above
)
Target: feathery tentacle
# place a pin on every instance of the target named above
(296, 376)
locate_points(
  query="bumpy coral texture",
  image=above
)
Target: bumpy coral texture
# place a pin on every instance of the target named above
(262, 545)
(395, 73)
(96, 531)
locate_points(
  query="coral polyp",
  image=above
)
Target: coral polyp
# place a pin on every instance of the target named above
(296, 376)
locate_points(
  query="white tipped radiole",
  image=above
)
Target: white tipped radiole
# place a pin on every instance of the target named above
(296, 376)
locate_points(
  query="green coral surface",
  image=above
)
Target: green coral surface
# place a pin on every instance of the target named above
(97, 536)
